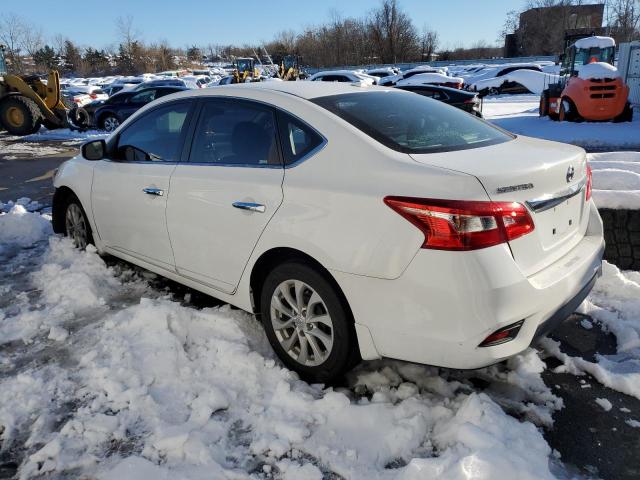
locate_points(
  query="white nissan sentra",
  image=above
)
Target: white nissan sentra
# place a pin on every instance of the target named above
(356, 222)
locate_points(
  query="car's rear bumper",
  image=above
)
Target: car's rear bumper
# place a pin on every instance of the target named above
(446, 303)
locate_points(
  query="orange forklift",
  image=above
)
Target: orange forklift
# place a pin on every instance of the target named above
(590, 87)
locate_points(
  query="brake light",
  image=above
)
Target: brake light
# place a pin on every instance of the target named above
(463, 225)
(93, 96)
(587, 196)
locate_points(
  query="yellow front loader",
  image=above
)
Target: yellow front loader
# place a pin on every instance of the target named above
(26, 102)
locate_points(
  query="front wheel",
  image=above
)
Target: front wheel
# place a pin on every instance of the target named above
(76, 223)
(110, 123)
(20, 115)
(308, 323)
(626, 115)
(543, 109)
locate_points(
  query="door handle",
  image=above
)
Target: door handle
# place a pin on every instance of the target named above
(153, 191)
(252, 207)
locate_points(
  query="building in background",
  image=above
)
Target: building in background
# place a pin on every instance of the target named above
(545, 30)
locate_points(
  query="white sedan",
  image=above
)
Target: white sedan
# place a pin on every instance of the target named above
(356, 222)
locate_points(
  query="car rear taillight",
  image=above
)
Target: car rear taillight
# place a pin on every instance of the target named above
(587, 196)
(463, 225)
(503, 335)
(93, 96)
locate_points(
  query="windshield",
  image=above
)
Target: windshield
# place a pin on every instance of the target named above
(587, 56)
(3, 65)
(412, 123)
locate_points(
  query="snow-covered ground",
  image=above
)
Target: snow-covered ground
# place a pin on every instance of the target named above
(519, 114)
(106, 373)
(616, 179)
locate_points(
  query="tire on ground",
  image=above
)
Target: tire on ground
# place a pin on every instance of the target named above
(20, 115)
(344, 353)
(61, 202)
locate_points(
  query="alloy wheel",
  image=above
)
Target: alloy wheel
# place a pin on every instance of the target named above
(302, 323)
(76, 226)
(111, 123)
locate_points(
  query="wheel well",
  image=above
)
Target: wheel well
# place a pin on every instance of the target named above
(57, 210)
(276, 256)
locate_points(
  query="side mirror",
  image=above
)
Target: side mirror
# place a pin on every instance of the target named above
(94, 150)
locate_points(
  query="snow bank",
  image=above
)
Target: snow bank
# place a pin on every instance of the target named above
(598, 71)
(21, 228)
(532, 80)
(595, 42)
(136, 385)
(615, 304)
(616, 179)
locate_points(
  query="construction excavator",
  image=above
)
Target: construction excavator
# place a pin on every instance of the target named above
(289, 68)
(245, 70)
(26, 102)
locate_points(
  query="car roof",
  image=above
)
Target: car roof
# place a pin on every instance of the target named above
(302, 89)
(436, 87)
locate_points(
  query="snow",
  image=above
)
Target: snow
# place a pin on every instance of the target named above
(616, 179)
(532, 80)
(604, 403)
(597, 70)
(137, 385)
(429, 78)
(519, 114)
(595, 42)
(615, 304)
(633, 423)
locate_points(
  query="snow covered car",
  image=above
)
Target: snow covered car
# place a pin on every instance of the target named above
(356, 222)
(80, 95)
(431, 79)
(518, 81)
(343, 76)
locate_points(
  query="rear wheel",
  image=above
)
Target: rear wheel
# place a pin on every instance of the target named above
(20, 115)
(307, 322)
(626, 115)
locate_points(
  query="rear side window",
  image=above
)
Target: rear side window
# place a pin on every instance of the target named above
(155, 137)
(297, 139)
(412, 123)
(232, 132)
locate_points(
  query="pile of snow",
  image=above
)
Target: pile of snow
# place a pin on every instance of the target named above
(532, 80)
(595, 42)
(429, 78)
(21, 228)
(598, 71)
(616, 179)
(615, 304)
(136, 385)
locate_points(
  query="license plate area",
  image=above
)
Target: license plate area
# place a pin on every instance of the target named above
(560, 222)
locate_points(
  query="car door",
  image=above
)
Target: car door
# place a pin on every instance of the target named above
(130, 188)
(223, 197)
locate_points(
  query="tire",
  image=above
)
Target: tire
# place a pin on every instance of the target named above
(320, 299)
(626, 115)
(73, 222)
(109, 122)
(20, 115)
(543, 109)
(568, 111)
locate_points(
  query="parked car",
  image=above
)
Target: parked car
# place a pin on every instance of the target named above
(343, 76)
(468, 101)
(167, 82)
(121, 106)
(80, 95)
(356, 222)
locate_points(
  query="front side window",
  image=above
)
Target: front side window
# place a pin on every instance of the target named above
(412, 123)
(143, 97)
(233, 132)
(155, 137)
(296, 138)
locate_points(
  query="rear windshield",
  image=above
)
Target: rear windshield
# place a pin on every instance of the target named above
(412, 123)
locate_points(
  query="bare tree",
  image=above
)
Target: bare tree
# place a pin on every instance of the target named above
(624, 19)
(12, 33)
(393, 33)
(428, 43)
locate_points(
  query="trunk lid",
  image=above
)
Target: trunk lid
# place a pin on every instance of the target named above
(548, 177)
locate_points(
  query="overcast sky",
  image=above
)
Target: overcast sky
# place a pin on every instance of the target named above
(187, 22)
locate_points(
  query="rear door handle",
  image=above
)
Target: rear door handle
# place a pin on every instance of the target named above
(252, 207)
(153, 191)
